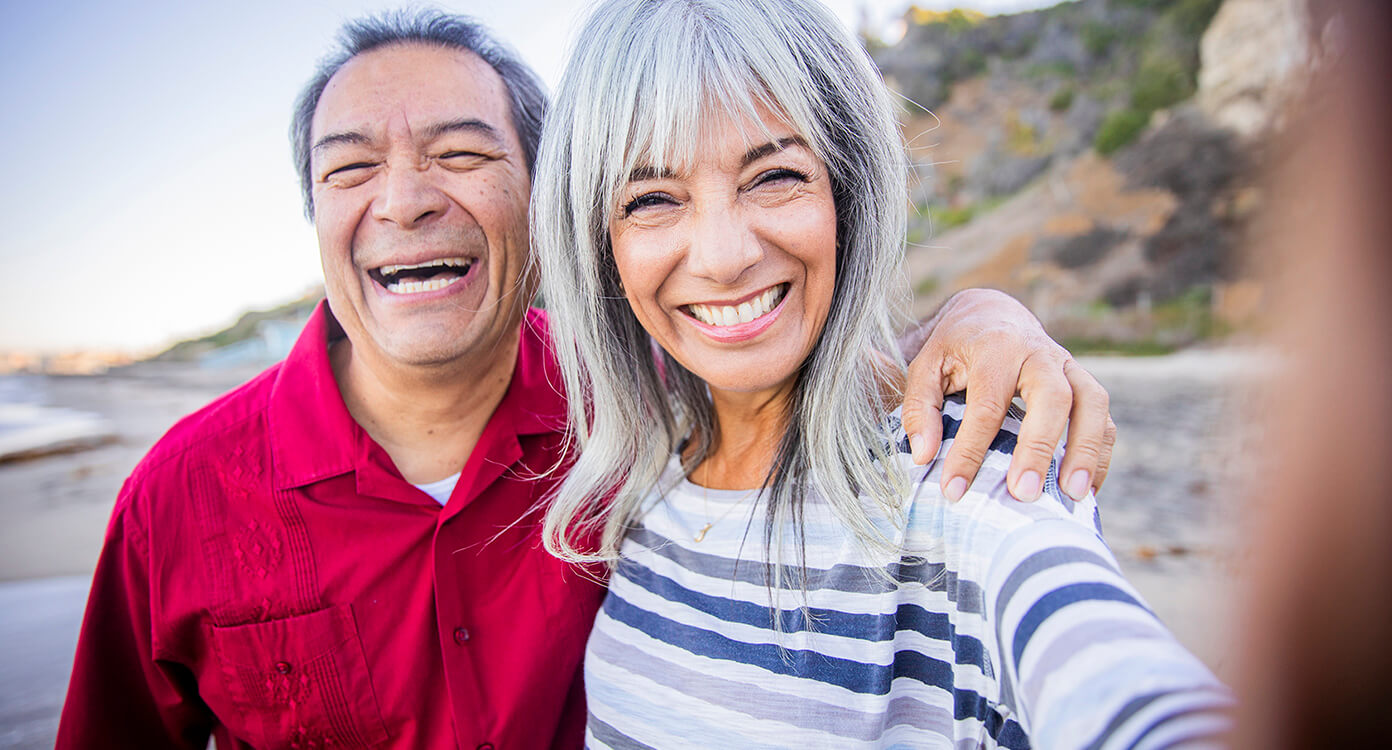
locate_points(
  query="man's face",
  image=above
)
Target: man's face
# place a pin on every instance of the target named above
(420, 203)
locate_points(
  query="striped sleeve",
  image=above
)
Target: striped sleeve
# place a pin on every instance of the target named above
(1084, 661)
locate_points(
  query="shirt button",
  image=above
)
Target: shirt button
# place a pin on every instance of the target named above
(284, 667)
(460, 636)
(485, 746)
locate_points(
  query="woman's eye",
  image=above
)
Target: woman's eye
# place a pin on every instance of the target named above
(775, 176)
(461, 155)
(647, 200)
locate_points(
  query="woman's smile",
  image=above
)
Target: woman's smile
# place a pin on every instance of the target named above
(741, 320)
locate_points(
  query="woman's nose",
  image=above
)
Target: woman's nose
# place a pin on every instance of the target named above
(722, 247)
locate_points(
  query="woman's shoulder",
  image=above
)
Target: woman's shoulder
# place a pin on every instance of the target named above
(987, 514)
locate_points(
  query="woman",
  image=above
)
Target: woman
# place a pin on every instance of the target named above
(724, 179)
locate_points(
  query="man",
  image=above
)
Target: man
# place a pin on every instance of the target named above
(344, 552)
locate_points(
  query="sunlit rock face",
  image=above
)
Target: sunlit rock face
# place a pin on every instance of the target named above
(1254, 57)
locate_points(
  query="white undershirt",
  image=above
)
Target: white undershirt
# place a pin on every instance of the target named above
(442, 489)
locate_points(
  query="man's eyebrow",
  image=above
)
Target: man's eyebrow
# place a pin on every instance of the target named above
(464, 125)
(346, 137)
(759, 152)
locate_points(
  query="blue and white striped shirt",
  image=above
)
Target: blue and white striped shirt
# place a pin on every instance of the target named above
(997, 624)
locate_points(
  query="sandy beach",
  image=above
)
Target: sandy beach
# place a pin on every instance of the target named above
(1172, 506)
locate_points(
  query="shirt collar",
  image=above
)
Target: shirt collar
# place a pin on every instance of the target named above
(313, 437)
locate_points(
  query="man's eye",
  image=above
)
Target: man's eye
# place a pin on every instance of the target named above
(648, 200)
(347, 168)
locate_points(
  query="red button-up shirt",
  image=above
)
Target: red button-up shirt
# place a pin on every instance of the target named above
(270, 579)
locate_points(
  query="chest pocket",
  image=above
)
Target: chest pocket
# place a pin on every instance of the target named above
(299, 682)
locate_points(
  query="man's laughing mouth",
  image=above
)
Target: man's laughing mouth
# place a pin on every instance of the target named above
(421, 277)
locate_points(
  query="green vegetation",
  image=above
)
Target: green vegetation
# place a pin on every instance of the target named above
(245, 328)
(915, 236)
(1098, 37)
(1173, 324)
(1159, 84)
(1137, 348)
(1120, 128)
(1191, 17)
(1062, 99)
(926, 286)
(1061, 69)
(956, 20)
(1020, 137)
(1191, 313)
(951, 218)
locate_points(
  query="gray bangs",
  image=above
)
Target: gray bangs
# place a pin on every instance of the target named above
(735, 72)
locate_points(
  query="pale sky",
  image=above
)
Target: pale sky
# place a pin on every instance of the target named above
(150, 195)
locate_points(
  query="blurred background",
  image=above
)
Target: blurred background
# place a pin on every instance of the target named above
(1101, 160)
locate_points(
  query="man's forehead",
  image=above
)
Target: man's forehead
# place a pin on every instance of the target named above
(422, 84)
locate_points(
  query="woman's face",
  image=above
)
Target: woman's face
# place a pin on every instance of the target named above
(729, 263)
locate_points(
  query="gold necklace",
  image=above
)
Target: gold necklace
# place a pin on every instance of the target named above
(705, 507)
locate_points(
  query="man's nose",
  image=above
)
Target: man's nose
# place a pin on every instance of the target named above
(409, 196)
(723, 246)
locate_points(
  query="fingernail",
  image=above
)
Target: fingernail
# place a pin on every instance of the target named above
(916, 447)
(1029, 485)
(1077, 487)
(956, 489)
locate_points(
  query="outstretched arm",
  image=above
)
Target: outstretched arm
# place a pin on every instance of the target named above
(986, 343)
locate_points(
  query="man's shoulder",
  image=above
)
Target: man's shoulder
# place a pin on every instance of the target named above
(235, 419)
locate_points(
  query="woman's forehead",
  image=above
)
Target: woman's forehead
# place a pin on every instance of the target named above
(716, 129)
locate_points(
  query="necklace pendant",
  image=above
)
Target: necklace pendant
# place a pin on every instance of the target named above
(702, 533)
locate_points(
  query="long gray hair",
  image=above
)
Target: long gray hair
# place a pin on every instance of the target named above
(644, 80)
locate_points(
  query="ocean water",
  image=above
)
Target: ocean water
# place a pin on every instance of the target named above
(28, 426)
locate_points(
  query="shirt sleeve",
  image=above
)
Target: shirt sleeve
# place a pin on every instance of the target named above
(1083, 660)
(120, 696)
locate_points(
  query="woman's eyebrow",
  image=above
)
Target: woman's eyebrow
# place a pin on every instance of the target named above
(759, 152)
(649, 173)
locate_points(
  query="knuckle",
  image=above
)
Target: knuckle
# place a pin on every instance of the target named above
(1050, 400)
(966, 454)
(1084, 450)
(1035, 446)
(916, 410)
(986, 402)
(1095, 396)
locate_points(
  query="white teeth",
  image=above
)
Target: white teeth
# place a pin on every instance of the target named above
(416, 287)
(729, 315)
(453, 262)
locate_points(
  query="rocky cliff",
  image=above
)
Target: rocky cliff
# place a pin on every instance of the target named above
(1096, 159)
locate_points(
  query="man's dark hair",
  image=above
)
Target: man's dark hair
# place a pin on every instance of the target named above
(428, 27)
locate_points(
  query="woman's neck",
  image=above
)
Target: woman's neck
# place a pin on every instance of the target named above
(748, 430)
